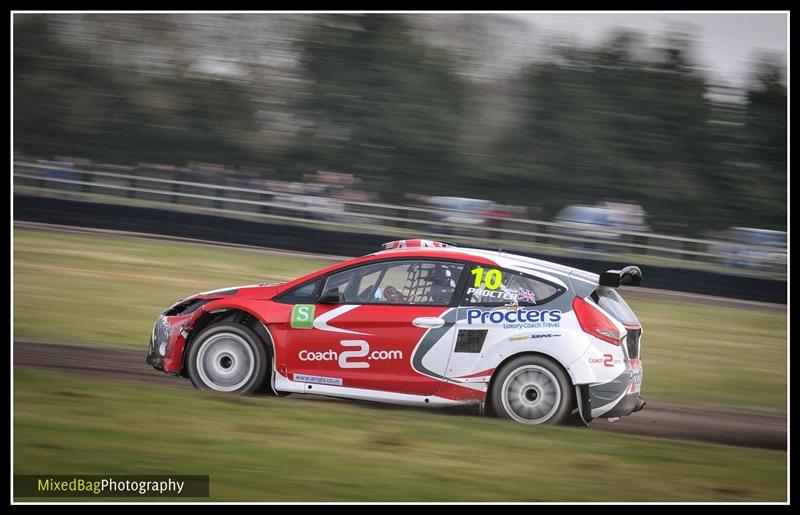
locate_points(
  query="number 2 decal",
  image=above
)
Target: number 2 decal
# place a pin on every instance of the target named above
(494, 278)
(363, 350)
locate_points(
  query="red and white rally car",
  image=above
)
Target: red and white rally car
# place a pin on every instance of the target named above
(420, 323)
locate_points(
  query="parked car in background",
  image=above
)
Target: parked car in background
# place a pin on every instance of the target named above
(310, 206)
(471, 212)
(603, 221)
(752, 249)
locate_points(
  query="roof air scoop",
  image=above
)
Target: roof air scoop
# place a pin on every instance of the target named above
(414, 244)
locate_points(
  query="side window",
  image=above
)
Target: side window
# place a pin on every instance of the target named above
(367, 282)
(496, 286)
(304, 294)
(398, 282)
(339, 282)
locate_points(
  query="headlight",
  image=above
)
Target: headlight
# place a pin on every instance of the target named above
(161, 334)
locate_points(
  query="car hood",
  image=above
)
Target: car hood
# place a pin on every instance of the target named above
(264, 290)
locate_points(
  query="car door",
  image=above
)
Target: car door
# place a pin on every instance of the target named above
(497, 305)
(391, 330)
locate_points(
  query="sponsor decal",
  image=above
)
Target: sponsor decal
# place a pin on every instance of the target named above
(524, 295)
(532, 337)
(303, 316)
(493, 277)
(516, 318)
(484, 294)
(635, 384)
(636, 381)
(607, 361)
(350, 358)
(334, 381)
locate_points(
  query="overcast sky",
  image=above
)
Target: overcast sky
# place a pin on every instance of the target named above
(726, 43)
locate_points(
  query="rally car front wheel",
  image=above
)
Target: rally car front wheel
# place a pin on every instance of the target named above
(532, 390)
(227, 358)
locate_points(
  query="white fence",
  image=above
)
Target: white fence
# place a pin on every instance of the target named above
(122, 185)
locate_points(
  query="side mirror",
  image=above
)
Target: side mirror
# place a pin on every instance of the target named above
(331, 297)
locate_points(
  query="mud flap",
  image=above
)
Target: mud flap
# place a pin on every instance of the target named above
(584, 404)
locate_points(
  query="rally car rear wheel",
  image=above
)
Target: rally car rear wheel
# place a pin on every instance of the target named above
(532, 390)
(227, 358)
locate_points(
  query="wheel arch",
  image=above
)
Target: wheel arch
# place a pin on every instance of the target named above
(517, 355)
(234, 314)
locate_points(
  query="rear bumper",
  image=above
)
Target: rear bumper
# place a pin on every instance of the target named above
(627, 405)
(616, 398)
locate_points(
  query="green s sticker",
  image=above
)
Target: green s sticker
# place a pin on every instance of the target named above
(303, 316)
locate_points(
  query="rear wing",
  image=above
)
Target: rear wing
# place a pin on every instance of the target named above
(628, 276)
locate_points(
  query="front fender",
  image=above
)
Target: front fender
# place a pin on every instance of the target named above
(181, 329)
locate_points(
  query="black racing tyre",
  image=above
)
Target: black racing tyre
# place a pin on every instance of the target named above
(228, 357)
(532, 390)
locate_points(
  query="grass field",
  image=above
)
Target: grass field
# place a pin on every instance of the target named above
(696, 354)
(269, 449)
(108, 291)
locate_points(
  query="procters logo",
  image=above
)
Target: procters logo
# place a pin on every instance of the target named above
(515, 318)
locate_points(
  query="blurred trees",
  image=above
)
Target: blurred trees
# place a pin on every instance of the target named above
(380, 102)
(366, 94)
(620, 122)
(68, 101)
(764, 188)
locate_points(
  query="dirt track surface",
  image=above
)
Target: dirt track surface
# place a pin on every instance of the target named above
(727, 426)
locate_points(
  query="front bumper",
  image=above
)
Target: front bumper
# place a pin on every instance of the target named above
(167, 341)
(154, 359)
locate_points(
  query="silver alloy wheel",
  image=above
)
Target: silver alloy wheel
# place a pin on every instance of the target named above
(531, 394)
(225, 362)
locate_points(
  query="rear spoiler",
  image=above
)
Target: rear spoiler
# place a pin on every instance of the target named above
(628, 276)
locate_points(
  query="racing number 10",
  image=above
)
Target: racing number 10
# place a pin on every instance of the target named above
(494, 278)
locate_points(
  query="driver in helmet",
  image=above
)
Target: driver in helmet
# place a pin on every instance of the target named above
(442, 284)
